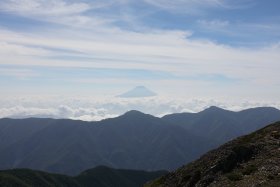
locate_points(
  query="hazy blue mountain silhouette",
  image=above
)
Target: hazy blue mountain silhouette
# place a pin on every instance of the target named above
(139, 91)
(132, 141)
(221, 125)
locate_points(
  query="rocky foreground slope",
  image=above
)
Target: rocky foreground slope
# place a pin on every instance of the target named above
(251, 160)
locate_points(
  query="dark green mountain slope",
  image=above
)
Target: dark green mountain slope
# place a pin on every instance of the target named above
(31, 178)
(107, 177)
(252, 160)
(98, 177)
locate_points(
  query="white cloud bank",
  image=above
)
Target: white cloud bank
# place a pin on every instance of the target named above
(97, 108)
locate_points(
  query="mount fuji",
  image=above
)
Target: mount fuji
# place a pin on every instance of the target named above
(139, 91)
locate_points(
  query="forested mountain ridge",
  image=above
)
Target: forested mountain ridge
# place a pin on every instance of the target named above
(131, 141)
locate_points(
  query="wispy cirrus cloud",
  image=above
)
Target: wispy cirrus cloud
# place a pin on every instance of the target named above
(214, 24)
(71, 13)
(264, 33)
(43, 7)
(22, 50)
(18, 73)
(197, 7)
(178, 54)
(119, 35)
(88, 13)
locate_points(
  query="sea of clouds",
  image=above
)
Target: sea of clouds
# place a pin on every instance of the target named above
(98, 108)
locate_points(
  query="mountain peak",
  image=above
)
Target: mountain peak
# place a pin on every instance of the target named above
(138, 91)
(136, 115)
(133, 112)
(214, 109)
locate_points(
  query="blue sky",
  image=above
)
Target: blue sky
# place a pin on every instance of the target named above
(201, 48)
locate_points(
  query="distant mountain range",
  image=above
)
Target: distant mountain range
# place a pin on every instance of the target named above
(251, 160)
(221, 125)
(139, 91)
(131, 141)
(98, 177)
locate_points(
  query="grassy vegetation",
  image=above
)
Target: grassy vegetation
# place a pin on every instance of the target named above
(156, 183)
(234, 176)
(249, 169)
(98, 177)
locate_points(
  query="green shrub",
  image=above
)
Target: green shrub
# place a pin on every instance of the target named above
(249, 169)
(234, 176)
